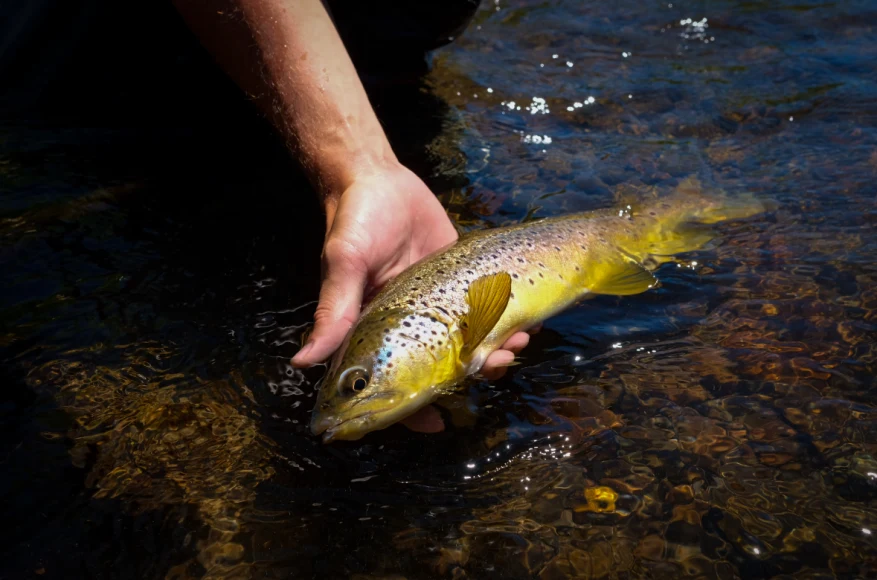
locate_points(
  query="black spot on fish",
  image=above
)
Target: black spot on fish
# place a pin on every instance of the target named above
(411, 303)
(387, 338)
(512, 295)
(439, 271)
(360, 341)
(406, 323)
(531, 280)
(441, 290)
(521, 260)
(387, 330)
(418, 278)
(541, 275)
(416, 337)
(515, 276)
(389, 365)
(557, 248)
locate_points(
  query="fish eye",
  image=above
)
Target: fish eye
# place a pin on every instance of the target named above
(356, 380)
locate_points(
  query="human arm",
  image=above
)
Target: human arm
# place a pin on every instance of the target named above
(380, 217)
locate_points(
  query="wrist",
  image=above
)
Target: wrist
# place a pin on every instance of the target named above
(342, 169)
(339, 168)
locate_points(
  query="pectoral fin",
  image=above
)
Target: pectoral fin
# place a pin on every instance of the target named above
(488, 297)
(623, 278)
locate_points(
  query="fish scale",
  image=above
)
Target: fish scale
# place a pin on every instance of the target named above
(437, 321)
(546, 261)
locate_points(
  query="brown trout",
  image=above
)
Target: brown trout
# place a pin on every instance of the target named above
(437, 321)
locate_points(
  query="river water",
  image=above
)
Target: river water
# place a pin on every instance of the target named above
(160, 266)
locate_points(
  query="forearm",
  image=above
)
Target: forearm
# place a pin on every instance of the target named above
(287, 55)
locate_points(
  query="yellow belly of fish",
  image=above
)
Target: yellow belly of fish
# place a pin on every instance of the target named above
(529, 305)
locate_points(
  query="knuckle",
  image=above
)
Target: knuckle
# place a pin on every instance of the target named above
(341, 254)
(324, 313)
(336, 249)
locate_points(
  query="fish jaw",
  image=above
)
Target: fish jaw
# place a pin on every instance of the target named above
(373, 414)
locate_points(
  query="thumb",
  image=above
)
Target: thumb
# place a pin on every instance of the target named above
(339, 306)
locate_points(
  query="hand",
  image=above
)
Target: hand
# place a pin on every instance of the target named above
(382, 223)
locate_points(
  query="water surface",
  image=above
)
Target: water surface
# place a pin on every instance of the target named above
(158, 276)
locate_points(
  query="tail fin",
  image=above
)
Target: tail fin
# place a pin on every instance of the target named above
(705, 208)
(680, 222)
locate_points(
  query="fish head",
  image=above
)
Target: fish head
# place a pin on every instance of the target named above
(391, 364)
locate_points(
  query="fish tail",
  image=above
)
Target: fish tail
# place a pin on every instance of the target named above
(680, 222)
(703, 207)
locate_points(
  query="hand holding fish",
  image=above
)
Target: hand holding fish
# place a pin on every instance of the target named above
(382, 223)
(381, 218)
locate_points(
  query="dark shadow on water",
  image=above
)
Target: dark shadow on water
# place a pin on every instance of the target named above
(162, 253)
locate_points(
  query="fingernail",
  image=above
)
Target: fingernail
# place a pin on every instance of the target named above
(297, 359)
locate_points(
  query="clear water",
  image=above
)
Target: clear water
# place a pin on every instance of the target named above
(158, 274)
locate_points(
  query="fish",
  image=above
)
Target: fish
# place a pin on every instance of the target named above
(436, 322)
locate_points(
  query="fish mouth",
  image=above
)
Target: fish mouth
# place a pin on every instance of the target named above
(332, 428)
(350, 428)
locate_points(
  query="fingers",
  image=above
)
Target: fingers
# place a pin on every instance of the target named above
(426, 420)
(339, 306)
(517, 342)
(495, 365)
(498, 362)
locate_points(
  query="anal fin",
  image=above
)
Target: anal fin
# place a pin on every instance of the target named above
(623, 278)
